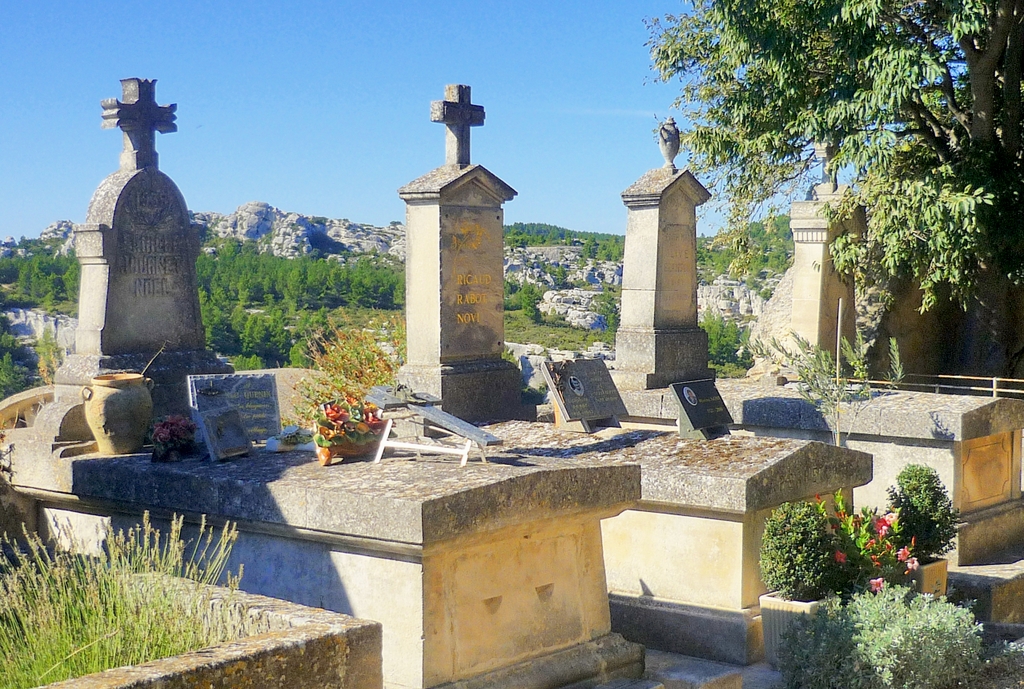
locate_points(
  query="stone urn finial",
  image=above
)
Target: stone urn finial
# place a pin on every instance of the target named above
(668, 141)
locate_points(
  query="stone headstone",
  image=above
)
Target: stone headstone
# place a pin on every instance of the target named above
(701, 409)
(253, 395)
(139, 297)
(455, 277)
(659, 341)
(583, 390)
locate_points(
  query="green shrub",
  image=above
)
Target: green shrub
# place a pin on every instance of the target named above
(925, 510)
(893, 639)
(798, 553)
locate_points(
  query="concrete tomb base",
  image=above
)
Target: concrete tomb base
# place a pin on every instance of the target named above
(682, 564)
(974, 443)
(475, 391)
(485, 574)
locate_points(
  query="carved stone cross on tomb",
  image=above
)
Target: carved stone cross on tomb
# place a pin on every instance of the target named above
(458, 115)
(139, 117)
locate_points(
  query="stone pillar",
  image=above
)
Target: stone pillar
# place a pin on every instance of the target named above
(817, 287)
(659, 341)
(455, 288)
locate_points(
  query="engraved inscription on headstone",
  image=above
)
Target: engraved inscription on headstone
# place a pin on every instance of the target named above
(472, 305)
(701, 406)
(583, 389)
(253, 395)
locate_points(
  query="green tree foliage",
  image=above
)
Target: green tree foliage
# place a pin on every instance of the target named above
(921, 101)
(597, 245)
(258, 307)
(759, 248)
(727, 346)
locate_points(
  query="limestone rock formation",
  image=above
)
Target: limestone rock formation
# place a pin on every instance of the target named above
(293, 234)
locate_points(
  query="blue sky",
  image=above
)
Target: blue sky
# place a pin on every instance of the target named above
(323, 107)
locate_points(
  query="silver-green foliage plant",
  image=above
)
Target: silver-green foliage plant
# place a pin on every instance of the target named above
(64, 615)
(893, 639)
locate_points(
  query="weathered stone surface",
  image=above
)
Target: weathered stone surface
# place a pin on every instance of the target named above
(416, 502)
(732, 473)
(890, 413)
(310, 647)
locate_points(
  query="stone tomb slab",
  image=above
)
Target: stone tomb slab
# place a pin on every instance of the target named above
(485, 575)
(682, 565)
(253, 395)
(974, 443)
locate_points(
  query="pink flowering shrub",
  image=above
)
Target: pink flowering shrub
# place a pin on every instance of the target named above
(867, 547)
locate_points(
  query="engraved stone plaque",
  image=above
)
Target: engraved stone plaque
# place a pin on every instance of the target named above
(701, 406)
(225, 434)
(254, 396)
(583, 389)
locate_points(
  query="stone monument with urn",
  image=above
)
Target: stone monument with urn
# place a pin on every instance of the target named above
(659, 341)
(454, 271)
(139, 301)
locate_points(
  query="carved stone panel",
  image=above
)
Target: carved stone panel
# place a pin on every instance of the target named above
(988, 471)
(152, 297)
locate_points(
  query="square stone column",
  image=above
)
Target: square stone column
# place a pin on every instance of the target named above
(817, 287)
(659, 341)
(455, 292)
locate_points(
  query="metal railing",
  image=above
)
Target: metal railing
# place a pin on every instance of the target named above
(981, 386)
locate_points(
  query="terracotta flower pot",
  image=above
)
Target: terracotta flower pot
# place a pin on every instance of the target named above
(327, 455)
(777, 614)
(118, 409)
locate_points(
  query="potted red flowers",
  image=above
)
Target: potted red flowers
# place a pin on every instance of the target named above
(346, 428)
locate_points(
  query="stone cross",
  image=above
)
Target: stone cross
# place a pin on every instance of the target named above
(458, 114)
(139, 117)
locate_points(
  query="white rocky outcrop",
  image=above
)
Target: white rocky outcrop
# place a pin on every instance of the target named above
(293, 234)
(30, 324)
(729, 299)
(575, 306)
(539, 265)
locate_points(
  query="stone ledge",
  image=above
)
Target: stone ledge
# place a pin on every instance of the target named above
(919, 415)
(313, 648)
(579, 667)
(399, 500)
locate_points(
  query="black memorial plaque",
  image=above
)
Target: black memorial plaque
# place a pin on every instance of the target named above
(700, 405)
(583, 389)
(254, 396)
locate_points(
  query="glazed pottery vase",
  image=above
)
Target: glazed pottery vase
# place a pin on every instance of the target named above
(118, 409)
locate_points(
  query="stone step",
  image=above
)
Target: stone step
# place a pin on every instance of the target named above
(676, 671)
(631, 684)
(997, 586)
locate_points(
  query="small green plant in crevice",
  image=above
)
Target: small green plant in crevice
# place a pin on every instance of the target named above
(926, 512)
(837, 392)
(64, 615)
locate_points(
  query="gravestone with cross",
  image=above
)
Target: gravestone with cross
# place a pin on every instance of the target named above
(454, 281)
(139, 297)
